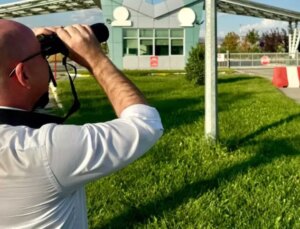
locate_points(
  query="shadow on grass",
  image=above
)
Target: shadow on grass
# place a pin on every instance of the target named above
(181, 111)
(235, 79)
(269, 150)
(233, 144)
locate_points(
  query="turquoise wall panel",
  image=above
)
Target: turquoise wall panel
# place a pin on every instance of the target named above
(117, 47)
(192, 34)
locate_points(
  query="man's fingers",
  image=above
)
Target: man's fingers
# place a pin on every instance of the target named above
(63, 33)
(45, 30)
(83, 29)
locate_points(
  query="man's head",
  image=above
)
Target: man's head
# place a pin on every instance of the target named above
(24, 76)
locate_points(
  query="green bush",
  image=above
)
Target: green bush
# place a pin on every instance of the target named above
(195, 67)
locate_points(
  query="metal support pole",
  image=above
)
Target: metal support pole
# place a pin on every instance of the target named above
(290, 27)
(98, 3)
(228, 58)
(211, 117)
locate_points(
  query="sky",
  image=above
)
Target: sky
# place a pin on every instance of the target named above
(242, 24)
(226, 22)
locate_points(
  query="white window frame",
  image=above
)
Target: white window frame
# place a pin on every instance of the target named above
(154, 38)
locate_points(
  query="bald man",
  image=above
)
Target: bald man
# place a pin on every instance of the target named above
(43, 170)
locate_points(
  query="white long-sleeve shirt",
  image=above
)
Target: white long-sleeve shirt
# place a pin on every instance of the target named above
(43, 171)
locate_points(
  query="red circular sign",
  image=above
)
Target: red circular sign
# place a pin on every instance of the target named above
(264, 60)
(154, 61)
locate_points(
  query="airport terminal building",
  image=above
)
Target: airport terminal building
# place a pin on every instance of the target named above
(152, 34)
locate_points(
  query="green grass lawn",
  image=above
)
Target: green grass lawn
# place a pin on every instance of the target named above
(249, 179)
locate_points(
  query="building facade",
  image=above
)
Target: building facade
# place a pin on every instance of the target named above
(152, 34)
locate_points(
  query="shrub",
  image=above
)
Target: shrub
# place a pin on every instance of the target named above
(195, 67)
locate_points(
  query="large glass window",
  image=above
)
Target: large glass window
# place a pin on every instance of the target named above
(157, 42)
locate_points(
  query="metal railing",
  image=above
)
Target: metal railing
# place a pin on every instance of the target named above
(256, 60)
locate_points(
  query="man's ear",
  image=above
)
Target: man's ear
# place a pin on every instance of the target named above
(21, 76)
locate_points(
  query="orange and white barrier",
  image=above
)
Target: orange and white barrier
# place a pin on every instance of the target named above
(288, 76)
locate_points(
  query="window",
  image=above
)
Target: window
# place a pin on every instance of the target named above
(177, 33)
(130, 47)
(130, 33)
(130, 42)
(177, 47)
(146, 47)
(162, 42)
(157, 42)
(162, 47)
(177, 41)
(146, 33)
(162, 33)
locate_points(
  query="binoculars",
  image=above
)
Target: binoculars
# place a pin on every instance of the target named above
(52, 44)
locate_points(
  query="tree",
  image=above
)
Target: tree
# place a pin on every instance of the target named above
(252, 37)
(230, 43)
(245, 46)
(274, 41)
(250, 42)
(105, 48)
(195, 66)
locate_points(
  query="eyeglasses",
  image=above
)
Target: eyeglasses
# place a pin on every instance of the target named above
(23, 61)
(51, 77)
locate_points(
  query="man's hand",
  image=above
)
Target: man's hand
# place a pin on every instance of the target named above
(44, 30)
(83, 46)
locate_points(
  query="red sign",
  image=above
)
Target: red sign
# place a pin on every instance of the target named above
(154, 61)
(264, 60)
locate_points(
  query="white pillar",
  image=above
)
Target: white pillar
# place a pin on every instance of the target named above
(294, 40)
(211, 112)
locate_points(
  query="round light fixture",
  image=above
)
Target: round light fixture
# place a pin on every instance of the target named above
(186, 17)
(121, 13)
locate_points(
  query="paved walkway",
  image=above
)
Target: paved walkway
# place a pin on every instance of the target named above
(293, 93)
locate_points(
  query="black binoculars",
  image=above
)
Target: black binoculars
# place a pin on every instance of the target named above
(51, 44)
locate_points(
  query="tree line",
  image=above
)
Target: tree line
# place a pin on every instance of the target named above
(274, 40)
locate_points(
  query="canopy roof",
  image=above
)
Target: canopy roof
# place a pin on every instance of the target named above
(249, 8)
(159, 7)
(37, 7)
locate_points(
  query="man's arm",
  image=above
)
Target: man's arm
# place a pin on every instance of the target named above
(85, 50)
(79, 154)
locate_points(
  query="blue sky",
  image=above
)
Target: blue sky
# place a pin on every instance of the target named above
(242, 24)
(226, 23)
